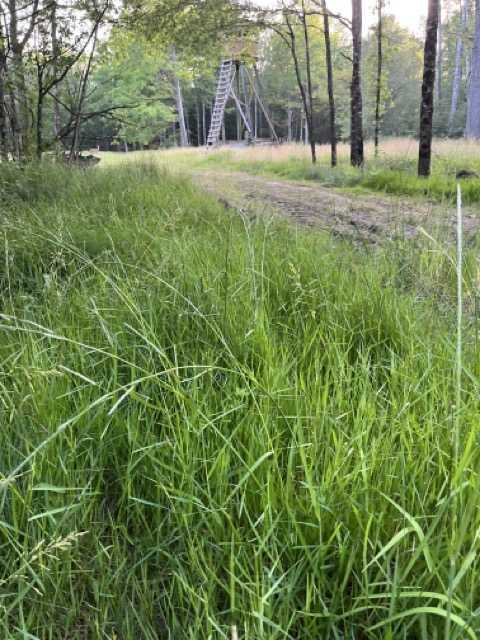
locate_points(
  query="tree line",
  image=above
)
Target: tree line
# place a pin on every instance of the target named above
(83, 73)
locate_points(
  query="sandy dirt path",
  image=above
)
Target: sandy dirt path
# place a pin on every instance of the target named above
(363, 216)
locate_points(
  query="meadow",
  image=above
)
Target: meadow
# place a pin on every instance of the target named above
(218, 426)
(393, 171)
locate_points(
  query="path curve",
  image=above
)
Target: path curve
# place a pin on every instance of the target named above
(361, 216)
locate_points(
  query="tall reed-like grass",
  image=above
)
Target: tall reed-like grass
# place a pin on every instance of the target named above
(214, 423)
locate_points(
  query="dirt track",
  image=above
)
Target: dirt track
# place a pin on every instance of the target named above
(364, 217)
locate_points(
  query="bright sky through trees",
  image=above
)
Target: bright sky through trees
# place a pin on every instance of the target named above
(410, 13)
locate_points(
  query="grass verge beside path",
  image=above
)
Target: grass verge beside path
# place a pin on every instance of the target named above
(210, 421)
(393, 172)
(385, 175)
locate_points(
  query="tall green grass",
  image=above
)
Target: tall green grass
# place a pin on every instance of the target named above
(388, 174)
(212, 421)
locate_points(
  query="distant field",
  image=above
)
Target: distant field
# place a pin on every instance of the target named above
(213, 420)
(394, 171)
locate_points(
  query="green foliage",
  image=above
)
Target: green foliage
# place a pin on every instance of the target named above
(210, 420)
(401, 80)
(133, 75)
(137, 63)
(195, 28)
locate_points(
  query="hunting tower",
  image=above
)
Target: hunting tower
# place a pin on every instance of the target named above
(237, 81)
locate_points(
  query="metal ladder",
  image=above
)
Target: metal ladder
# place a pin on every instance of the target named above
(223, 92)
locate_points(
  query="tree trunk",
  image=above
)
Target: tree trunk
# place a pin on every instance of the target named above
(468, 50)
(472, 129)
(14, 125)
(39, 129)
(3, 106)
(204, 124)
(310, 114)
(356, 104)
(438, 74)
(20, 101)
(56, 56)
(457, 76)
(179, 103)
(197, 122)
(331, 95)
(378, 93)
(20, 105)
(289, 124)
(75, 148)
(303, 93)
(428, 84)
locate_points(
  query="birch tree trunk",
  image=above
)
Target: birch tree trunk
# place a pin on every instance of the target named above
(428, 85)
(331, 95)
(179, 103)
(472, 129)
(457, 75)
(356, 103)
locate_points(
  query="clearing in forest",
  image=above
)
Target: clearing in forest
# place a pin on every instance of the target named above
(384, 201)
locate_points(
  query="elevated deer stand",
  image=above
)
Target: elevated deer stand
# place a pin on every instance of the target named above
(236, 67)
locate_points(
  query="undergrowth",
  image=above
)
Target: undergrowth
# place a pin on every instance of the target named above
(212, 421)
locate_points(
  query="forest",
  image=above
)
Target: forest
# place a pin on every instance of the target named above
(239, 319)
(81, 75)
